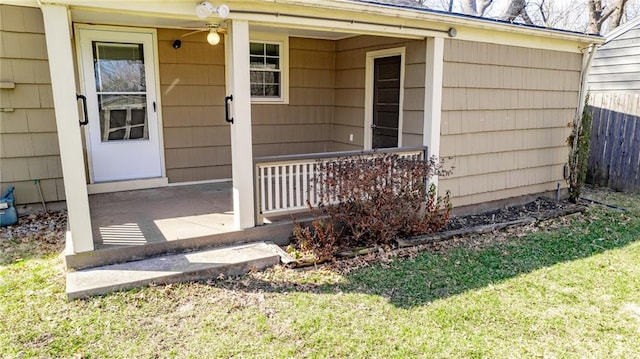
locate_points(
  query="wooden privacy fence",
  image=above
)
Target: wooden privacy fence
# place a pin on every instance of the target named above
(614, 158)
(284, 184)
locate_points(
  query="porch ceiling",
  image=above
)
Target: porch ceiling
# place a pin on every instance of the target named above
(104, 18)
(94, 17)
(139, 20)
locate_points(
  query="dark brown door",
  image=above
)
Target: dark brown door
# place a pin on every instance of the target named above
(386, 101)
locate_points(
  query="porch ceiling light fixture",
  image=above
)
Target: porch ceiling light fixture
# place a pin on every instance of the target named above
(205, 9)
(212, 37)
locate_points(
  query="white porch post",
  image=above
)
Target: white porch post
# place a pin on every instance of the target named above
(57, 32)
(433, 97)
(238, 85)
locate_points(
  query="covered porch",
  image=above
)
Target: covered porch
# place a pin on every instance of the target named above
(134, 224)
(205, 210)
(160, 215)
(130, 225)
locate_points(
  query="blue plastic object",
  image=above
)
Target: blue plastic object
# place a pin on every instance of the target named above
(8, 214)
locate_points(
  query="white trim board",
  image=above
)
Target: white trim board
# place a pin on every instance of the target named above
(368, 91)
(283, 41)
(434, 63)
(238, 84)
(338, 16)
(132, 185)
(620, 30)
(192, 183)
(56, 23)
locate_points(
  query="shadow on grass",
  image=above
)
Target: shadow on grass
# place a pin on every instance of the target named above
(437, 275)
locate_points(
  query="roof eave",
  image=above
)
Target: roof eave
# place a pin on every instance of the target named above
(622, 29)
(449, 19)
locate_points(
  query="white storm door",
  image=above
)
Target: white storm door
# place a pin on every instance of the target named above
(119, 83)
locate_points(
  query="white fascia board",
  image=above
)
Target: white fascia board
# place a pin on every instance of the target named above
(622, 29)
(25, 3)
(450, 20)
(340, 25)
(348, 16)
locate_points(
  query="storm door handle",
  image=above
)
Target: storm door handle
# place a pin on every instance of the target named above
(84, 109)
(226, 109)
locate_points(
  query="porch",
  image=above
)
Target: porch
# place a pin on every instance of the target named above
(135, 224)
(131, 225)
(325, 103)
(160, 215)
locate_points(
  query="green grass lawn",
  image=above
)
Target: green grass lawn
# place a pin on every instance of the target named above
(567, 288)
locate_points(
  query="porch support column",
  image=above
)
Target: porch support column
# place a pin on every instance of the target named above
(57, 27)
(238, 85)
(433, 97)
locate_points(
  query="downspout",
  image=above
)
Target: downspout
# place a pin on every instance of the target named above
(586, 66)
(587, 59)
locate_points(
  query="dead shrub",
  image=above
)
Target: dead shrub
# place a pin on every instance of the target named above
(370, 201)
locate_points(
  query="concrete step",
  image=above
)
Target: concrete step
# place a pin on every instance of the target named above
(231, 260)
(276, 232)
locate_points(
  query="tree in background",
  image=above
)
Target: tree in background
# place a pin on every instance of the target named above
(588, 16)
(599, 13)
(473, 7)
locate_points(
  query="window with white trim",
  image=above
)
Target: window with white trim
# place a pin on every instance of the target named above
(268, 71)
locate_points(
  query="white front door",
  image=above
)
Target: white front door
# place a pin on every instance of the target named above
(123, 137)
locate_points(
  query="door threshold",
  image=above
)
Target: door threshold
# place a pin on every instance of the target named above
(129, 185)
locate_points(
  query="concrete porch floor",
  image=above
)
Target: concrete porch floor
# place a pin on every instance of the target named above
(158, 215)
(139, 224)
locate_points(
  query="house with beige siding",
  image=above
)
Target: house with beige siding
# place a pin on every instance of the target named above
(108, 97)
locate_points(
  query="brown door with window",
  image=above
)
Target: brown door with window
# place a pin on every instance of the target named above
(386, 101)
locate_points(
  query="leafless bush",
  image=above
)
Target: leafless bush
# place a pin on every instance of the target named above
(372, 201)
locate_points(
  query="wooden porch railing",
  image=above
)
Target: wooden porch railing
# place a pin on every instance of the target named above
(284, 184)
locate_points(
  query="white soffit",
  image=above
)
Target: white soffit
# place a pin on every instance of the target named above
(327, 35)
(104, 18)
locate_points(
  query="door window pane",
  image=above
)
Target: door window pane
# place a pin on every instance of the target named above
(119, 67)
(123, 117)
(121, 89)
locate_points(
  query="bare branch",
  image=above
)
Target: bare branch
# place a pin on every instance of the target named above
(515, 9)
(545, 17)
(469, 7)
(616, 17)
(482, 6)
(605, 15)
(475, 7)
(598, 15)
(525, 17)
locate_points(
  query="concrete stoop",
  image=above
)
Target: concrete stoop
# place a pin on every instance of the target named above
(183, 267)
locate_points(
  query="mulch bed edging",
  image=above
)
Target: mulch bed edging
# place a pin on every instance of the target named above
(487, 228)
(445, 235)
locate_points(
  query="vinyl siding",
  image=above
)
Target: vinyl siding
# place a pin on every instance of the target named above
(615, 66)
(504, 119)
(350, 89)
(505, 109)
(304, 125)
(197, 140)
(28, 136)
